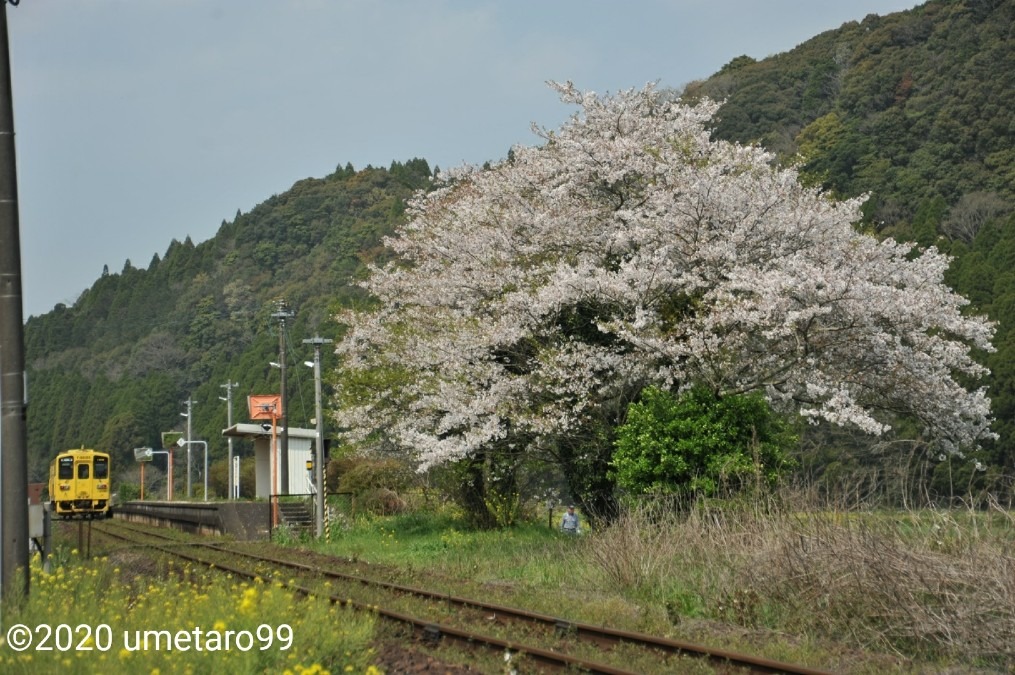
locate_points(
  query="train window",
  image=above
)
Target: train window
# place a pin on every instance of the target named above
(82, 471)
(66, 469)
(101, 467)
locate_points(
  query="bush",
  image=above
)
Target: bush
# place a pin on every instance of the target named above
(375, 474)
(698, 442)
(377, 485)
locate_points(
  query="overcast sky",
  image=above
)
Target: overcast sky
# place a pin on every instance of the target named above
(142, 121)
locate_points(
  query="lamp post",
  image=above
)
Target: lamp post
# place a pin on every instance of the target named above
(319, 449)
(228, 386)
(184, 442)
(169, 470)
(189, 416)
(283, 314)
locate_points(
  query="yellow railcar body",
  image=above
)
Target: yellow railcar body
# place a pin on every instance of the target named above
(79, 484)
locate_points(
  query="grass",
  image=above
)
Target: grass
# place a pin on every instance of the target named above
(850, 591)
(105, 615)
(861, 591)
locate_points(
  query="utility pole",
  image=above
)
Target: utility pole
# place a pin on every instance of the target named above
(13, 395)
(188, 415)
(319, 449)
(282, 314)
(228, 386)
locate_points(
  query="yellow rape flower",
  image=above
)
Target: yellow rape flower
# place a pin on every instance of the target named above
(247, 600)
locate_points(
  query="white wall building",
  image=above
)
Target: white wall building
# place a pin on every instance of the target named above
(301, 451)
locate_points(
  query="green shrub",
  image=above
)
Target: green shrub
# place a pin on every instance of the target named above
(698, 443)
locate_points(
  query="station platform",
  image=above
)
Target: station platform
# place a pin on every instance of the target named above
(242, 520)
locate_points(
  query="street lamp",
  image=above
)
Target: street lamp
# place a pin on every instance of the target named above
(228, 386)
(319, 454)
(283, 452)
(189, 417)
(183, 442)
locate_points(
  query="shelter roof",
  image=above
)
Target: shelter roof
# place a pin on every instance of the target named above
(249, 430)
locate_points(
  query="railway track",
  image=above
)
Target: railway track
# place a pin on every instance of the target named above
(435, 617)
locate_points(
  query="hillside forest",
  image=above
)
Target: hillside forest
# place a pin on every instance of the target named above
(913, 110)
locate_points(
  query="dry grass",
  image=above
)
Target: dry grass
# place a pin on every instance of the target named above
(926, 585)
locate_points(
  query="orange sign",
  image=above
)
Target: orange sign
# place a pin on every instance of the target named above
(264, 406)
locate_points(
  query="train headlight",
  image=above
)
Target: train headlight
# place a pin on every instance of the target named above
(102, 486)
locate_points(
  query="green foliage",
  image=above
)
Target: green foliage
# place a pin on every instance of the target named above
(699, 443)
(485, 487)
(504, 507)
(921, 103)
(363, 474)
(218, 478)
(377, 485)
(817, 141)
(126, 492)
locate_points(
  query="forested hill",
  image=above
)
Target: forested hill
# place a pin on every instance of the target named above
(911, 107)
(115, 369)
(915, 108)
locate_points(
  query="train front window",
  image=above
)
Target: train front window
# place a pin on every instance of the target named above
(101, 467)
(66, 468)
(82, 471)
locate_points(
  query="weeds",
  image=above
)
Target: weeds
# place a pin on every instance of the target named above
(838, 588)
(944, 588)
(927, 584)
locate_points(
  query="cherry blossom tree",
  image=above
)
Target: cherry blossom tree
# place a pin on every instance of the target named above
(530, 302)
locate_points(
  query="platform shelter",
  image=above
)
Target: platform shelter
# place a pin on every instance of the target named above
(301, 451)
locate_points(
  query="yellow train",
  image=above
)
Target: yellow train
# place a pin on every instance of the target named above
(79, 482)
